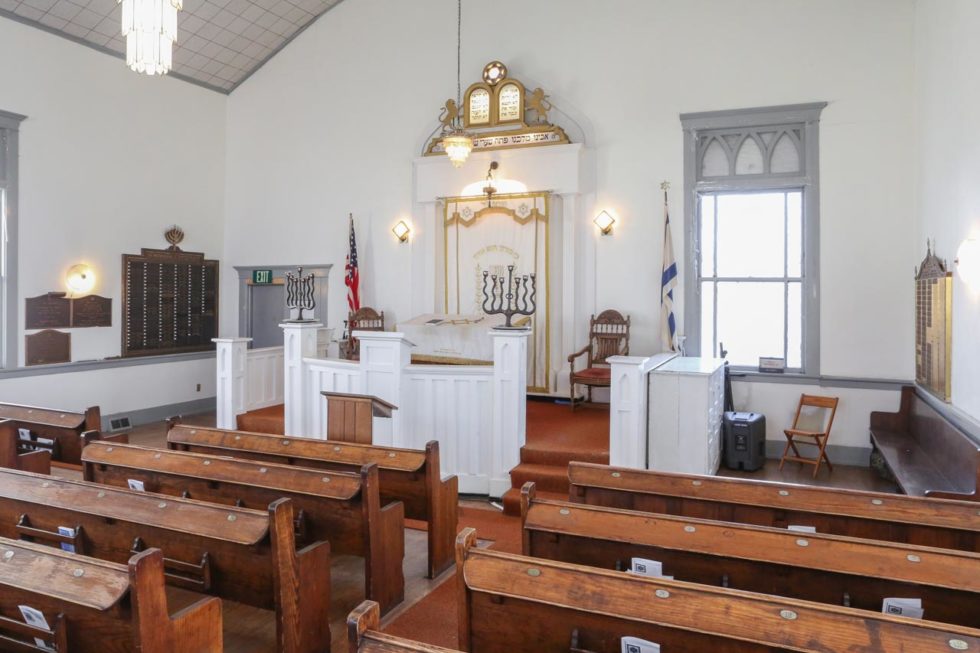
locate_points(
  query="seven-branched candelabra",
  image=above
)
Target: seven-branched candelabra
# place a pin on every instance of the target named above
(299, 293)
(510, 296)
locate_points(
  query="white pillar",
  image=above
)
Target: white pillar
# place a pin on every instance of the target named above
(509, 405)
(628, 400)
(299, 342)
(232, 388)
(384, 355)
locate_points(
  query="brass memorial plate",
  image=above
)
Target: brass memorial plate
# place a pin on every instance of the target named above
(49, 311)
(91, 311)
(47, 347)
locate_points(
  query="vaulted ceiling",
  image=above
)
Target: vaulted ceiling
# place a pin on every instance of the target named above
(219, 42)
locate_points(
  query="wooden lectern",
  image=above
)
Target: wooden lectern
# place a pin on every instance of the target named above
(349, 416)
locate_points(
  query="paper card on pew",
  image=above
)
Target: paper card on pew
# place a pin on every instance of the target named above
(911, 608)
(24, 434)
(34, 617)
(67, 532)
(637, 645)
(650, 568)
(135, 484)
(802, 529)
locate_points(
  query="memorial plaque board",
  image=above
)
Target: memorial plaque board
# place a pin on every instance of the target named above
(91, 311)
(170, 302)
(49, 311)
(48, 346)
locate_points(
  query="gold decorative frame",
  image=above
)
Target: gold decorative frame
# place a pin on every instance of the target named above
(454, 219)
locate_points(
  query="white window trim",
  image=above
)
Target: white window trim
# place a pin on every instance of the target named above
(9, 298)
(809, 116)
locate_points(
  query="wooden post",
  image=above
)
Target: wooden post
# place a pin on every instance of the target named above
(628, 399)
(384, 357)
(350, 416)
(509, 405)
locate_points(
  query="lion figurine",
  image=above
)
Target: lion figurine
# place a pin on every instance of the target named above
(449, 114)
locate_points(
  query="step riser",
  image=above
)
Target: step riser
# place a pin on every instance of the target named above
(562, 458)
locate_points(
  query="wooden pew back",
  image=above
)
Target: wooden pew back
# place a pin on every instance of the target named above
(407, 475)
(92, 605)
(868, 515)
(235, 553)
(69, 430)
(507, 601)
(14, 456)
(824, 568)
(344, 509)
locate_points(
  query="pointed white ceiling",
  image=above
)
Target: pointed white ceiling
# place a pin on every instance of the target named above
(219, 42)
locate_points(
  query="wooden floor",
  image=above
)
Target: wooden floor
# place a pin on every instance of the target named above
(251, 630)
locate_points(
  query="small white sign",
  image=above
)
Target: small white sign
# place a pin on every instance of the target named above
(802, 529)
(67, 532)
(24, 434)
(911, 608)
(135, 484)
(649, 568)
(34, 617)
(637, 645)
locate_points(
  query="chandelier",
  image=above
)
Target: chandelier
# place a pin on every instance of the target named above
(457, 143)
(150, 28)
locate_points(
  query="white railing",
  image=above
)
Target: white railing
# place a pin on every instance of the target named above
(477, 413)
(263, 378)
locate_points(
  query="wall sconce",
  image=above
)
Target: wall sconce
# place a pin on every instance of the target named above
(968, 262)
(605, 222)
(80, 279)
(401, 231)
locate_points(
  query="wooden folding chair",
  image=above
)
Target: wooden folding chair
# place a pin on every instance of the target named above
(816, 438)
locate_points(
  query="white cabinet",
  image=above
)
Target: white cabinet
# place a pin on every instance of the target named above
(687, 398)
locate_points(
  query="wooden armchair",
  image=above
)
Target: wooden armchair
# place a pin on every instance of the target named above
(363, 319)
(609, 335)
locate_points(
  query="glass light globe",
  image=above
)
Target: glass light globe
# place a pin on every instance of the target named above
(458, 147)
(968, 262)
(80, 279)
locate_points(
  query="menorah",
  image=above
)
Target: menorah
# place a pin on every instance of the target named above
(517, 304)
(299, 293)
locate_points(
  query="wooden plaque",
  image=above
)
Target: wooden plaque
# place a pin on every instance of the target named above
(170, 302)
(49, 311)
(48, 346)
(91, 311)
(934, 326)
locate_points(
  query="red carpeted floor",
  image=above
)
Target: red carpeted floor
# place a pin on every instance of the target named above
(433, 619)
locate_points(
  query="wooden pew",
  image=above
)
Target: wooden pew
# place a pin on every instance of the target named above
(92, 605)
(823, 568)
(867, 515)
(407, 475)
(364, 634)
(69, 431)
(344, 509)
(509, 603)
(925, 452)
(14, 456)
(239, 554)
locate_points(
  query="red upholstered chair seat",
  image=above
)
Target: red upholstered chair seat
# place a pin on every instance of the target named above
(595, 374)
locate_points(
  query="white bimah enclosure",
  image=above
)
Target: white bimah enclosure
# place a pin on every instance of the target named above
(476, 412)
(666, 412)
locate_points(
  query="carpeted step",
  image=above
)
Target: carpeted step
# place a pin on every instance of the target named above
(540, 454)
(547, 478)
(512, 499)
(264, 420)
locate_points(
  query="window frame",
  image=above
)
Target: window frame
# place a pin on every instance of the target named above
(9, 298)
(806, 116)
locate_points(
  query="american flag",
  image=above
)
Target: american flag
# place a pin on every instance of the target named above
(668, 281)
(352, 277)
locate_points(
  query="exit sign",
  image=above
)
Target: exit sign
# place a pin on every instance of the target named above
(261, 276)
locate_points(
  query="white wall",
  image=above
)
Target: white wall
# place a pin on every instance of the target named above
(948, 166)
(331, 124)
(108, 160)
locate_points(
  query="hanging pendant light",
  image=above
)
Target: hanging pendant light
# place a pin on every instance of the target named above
(457, 143)
(150, 28)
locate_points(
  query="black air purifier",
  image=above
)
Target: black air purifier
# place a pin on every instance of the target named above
(745, 440)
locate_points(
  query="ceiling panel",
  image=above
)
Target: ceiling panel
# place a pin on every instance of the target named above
(219, 42)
